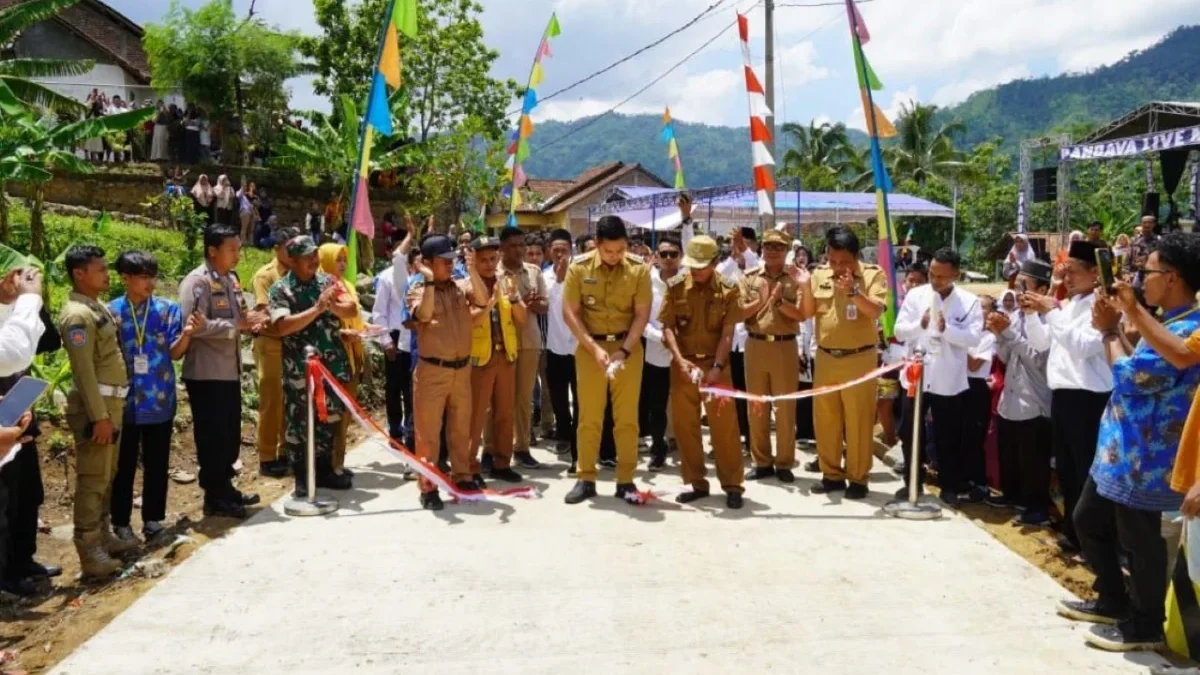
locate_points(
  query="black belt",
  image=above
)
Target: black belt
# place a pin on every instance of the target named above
(771, 338)
(699, 357)
(453, 365)
(611, 337)
(842, 353)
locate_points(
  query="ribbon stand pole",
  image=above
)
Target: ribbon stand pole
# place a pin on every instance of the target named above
(913, 508)
(315, 505)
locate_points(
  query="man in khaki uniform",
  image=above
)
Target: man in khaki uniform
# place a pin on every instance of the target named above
(606, 304)
(846, 298)
(441, 311)
(698, 316)
(532, 288)
(95, 407)
(770, 300)
(268, 355)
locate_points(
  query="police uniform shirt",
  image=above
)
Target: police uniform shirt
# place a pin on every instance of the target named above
(769, 320)
(1077, 358)
(214, 352)
(946, 352)
(698, 313)
(97, 363)
(839, 324)
(607, 295)
(528, 280)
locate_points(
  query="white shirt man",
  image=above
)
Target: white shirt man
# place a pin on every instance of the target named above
(737, 355)
(656, 353)
(20, 329)
(560, 364)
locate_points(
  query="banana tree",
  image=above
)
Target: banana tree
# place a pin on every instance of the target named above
(15, 73)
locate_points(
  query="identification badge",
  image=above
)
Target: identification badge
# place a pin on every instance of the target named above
(220, 303)
(852, 312)
(141, 365)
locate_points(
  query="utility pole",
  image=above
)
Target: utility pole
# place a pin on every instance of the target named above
(769, 10)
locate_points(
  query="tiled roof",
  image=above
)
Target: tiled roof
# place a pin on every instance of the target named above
(558, 195)
(106, 29)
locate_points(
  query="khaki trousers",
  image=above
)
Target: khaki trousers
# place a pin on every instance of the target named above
(772, 368)
(722, 425)
(526, 376)
(339, 438)
(847, 415)
(492, 406)
(595, 391)
(268, 356)
(439, 391)
(95, 468)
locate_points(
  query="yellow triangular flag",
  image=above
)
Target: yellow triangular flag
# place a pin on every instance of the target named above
(389, 61)
(672, 149)
(536, 77)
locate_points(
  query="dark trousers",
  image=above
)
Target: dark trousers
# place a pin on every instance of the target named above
(1105, 529)
(908, 413)
(608, 446)
(656, 389)
(217, 431)
(737, 368)
(560, 378)
(153, 443)
(949, 426)
(21, 481)
(398, 391)
(1075, 427)
(804, 415)
(978, 417)
(1025, 462)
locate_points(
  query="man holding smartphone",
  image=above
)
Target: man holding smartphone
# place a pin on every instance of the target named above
(95, 407)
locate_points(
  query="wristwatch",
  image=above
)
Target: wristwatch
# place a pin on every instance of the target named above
(718, 366)
(626, 352)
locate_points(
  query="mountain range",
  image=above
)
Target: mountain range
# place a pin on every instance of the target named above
(714, 155)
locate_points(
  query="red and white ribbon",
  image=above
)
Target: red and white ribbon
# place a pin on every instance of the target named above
(317, 371)
(730, 392)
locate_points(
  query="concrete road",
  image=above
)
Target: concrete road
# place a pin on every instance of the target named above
(794, 583)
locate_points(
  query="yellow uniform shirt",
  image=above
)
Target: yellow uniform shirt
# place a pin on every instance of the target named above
(837, 326)
(698, 313)
(607, 295)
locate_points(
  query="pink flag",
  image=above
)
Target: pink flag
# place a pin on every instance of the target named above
(364, 222)
(518, 176)
(545, 50)
(856, 20)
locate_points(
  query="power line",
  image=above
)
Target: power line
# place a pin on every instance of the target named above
(628, 58)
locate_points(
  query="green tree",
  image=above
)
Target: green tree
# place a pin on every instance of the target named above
(819, 154)
(924, 147)
(15, 73)
(445, 70)
(224, 64)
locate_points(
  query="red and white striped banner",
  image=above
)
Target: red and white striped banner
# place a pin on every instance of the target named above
(760, 134)
(730, 392)
(317, 372)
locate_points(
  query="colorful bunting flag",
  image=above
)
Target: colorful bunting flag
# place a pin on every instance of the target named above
(877, 126)
(668, 137)
(764, 180)
(400, 18)
(518, 149)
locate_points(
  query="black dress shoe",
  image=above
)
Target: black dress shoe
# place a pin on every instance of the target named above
(856, 491)
(480, 483)
(507, 475)
(444, 468)
(431, 501)
(624, 490)
(467, 485)
(733, 500)
(813, 466)
(657, 462)
(274, 469)
(760, 472)
(562, 448)
(37, 570)
(785, 475)
(826, 486)
(691, 496)
(485, 464)
(526, 461)
(24, 588)
(249, 499)
(583, 490)
(225, 510)
(950, 499)
(335, 481)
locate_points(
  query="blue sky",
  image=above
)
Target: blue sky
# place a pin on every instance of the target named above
(935, 51)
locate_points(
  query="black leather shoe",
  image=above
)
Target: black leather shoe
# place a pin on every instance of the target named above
(37, 570)
(480, 483)
(467, 485)
(225, 510)
(785, 475)
(24, 588)
(691, 496)
(334, 481)
(508, 475)
(583, 490)
(760, 472)
(624, 490)
(733, 500)
(657, 462)
(826, 486)
(248, 499)
(562, 448)
(856, 491)
(444, 468)
(431, 501)
(485, 464)
(274, 469)
(813, 466)
(526, 461)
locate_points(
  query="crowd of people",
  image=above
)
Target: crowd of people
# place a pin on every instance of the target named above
(600, 345)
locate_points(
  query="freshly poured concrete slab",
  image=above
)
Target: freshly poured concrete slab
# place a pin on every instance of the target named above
(793, 583)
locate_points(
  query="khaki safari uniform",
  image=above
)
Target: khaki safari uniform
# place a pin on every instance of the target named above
(442, 377)
(698, 314)
(847, 348)
(268, 355)
(529, 280)
(772, 367)
(607, 297)
(100, 385)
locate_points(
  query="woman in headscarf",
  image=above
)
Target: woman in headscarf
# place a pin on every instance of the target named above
(205, 198)
(160, 140)
(1017, 255)
(334, 259)
(226, 199)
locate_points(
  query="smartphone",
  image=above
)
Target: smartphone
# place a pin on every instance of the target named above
(20, 399)
(1104, 259)
(1024, 286)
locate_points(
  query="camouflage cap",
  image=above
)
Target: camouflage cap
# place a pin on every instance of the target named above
(301, 246)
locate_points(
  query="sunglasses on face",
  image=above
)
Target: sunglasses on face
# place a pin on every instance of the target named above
(668, 255)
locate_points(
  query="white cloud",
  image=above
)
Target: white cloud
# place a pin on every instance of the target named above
(958, 91)
(858, 120)
(1093, 56)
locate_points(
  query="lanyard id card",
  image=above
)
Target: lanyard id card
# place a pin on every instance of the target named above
(851, 311)
(141, 365)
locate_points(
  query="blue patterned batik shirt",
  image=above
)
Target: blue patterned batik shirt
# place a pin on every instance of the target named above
(1142, 425)
(151, 394)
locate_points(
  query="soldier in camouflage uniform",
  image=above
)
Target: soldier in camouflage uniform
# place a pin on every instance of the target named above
(306, 307)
